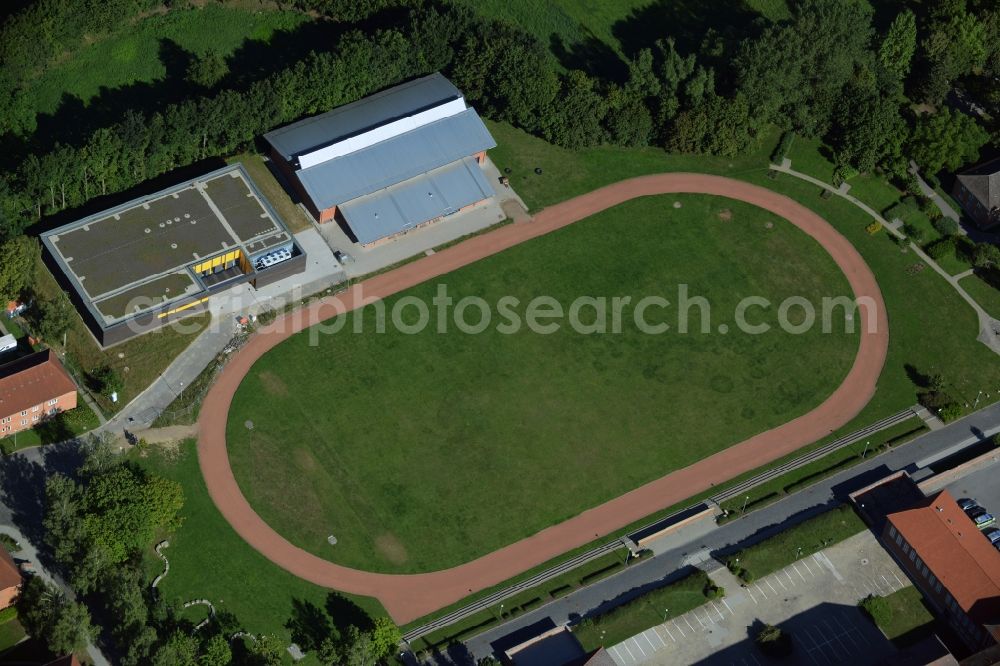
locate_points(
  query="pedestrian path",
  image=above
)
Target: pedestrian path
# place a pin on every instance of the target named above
(814, 598)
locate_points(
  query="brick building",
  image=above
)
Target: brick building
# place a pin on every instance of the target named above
(32, 388)
(10, 579)
(951, 562)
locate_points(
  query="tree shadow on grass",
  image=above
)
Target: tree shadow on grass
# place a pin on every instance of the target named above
(345, 613)
(309, 624)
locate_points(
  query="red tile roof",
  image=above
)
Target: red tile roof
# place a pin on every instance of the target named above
(956, 552)
(68, 660)
(9, 574)
(31, 381)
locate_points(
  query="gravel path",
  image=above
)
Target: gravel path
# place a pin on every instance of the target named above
(408, 597)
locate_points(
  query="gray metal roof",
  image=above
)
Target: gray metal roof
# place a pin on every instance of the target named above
(365, 114)
(428, 196)
(394, 160)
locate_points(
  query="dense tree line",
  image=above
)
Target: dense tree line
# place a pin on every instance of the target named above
(824, 72)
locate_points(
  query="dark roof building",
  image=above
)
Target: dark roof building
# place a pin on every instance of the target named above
(389, 162)
(978, 190)
(134, 267)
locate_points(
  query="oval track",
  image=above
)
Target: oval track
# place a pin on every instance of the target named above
(408, 597)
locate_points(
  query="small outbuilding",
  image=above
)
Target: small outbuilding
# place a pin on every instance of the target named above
(390, 162)
(978, 190)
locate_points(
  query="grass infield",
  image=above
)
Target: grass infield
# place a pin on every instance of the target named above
(420, 452)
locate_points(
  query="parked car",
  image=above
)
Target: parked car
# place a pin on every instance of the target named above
(982, 518)
(967, 504)
(993, 534)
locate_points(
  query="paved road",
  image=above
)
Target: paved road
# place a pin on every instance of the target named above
(755, 526)
(408, 597)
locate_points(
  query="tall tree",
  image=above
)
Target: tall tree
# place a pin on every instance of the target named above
(18, 257)
(899, 44)
(50, 616)
(945, 140)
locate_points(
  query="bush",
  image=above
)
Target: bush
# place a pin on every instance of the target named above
(874, 228)
(945, 225)
(877, 608)
(914, 232)
(941, 248)
(713, 591)
(746, 576)
(950, 412)
(773, 642)
(781, 150)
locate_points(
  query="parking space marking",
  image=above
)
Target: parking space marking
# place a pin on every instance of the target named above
(861, 634)
(678, 628)
(661, 637)
(806, 565)
(798, 572)
(638, 647)
(651, 645)
(812, 650)
(666, 629)
(688, 622)
(901, 583)
(778, 578)
(716, 609)
(752, 598)
(790, 581)
(630, 655)
(760, 590)
(771, 586)
(727, 606)
(826, 645)
(615, 654)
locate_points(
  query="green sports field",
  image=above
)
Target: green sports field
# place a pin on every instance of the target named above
(422, 451)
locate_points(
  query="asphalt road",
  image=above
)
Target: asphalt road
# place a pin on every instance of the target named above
(757, 525)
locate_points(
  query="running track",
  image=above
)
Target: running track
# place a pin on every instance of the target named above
(408, 597)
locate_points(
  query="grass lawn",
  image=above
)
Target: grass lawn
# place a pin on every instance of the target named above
(984, 293)
(11, 631)
(148, 50)
(804, 539)
(642, 613)
(378, 468)
(59, 429)
(293, 216)
(209, 560)
(910, 620)
(139, 361)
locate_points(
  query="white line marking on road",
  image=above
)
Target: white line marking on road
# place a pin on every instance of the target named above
(901, 583)
(727, 606)
(617, 654)
(777, 578)
(689, 623)
(638, 647)
(752, 598)
(771, 586)
(795, 566)
(754, 659)
(761, 591)
(678, 628)
(651, 646)
(659, 636)
(630, 655)
(668, 633)
(806, 565)
(716, 609)
(839, 638)
(892, 588)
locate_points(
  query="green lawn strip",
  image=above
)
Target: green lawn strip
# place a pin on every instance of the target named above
(184, 409)
(137, 53)
(907, 619)
(643, 612)
(551, 398)
(59, 428)
(837, 461)
(293, 216)
(802, 540)
(14, 327)
(208, 560)
(983, 293)
(587, 574)
(145, 356)
(568, 173)
(11, 631)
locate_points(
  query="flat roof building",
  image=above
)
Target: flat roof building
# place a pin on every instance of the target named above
(33, 388)
(390, 162)
(134, 267)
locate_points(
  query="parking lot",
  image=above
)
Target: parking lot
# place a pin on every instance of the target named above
(814, 599)
(981, 486)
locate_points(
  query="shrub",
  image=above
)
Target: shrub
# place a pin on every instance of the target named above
(781, 150)
(914, 232)
(945, 225)
(874, 228)
(713, 591)
(746, 576)
(950, 412)
(773, 642)
(877, 608)
(941, 248)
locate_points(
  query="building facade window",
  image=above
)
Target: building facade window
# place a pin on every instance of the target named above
(892, 531)
(53, 401)
(24, 412)
(899, 539)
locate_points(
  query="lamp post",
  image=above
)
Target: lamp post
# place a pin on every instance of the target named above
(745, 500)
(666, 611)
(865, 452)
(975, 406)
